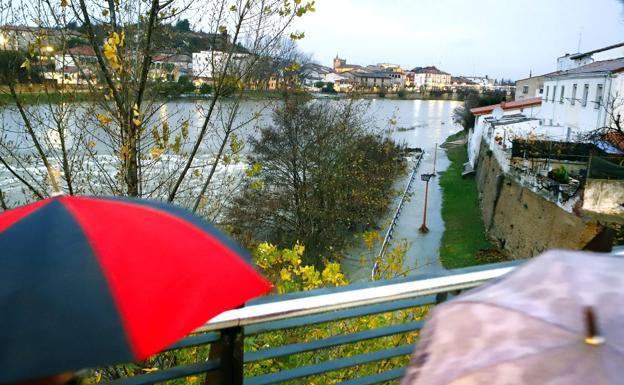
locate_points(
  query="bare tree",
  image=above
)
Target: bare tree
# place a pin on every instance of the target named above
(613, 130)
(123, 138)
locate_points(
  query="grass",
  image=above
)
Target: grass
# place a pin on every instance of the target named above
(464, 242)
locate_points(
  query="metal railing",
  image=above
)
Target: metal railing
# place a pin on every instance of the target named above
(227, 332)
(395, 218)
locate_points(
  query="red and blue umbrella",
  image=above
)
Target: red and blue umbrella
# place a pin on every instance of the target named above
(97, 281)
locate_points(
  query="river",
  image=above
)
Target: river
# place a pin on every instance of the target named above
(415, 123)
(423, 124)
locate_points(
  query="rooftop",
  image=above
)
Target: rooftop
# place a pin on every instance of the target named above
(429, 70)
(605, 66)
(83, 50)
(171, 58)
(517, 104)
(462, 80)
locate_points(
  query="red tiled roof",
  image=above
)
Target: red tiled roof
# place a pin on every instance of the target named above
(517, 104)
(615, 138)
(83, 50)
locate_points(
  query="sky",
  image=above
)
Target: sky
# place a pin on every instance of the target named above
(500, 38)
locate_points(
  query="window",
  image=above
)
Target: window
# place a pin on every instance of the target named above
(573, 100)
(585, 95)
(561, 97)
(598, 96)
(541, 91)
(554, 93)
(547, 91)
(525, 89)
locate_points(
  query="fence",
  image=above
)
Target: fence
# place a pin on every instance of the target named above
(227, 334)
(580, 160)
(395, 218)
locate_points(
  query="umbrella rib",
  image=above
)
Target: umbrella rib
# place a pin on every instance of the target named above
(499, 306)
(545, 351)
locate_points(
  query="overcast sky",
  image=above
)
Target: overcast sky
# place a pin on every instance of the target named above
(502, 38)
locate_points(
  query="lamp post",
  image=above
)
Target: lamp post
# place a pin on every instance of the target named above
(424, 229)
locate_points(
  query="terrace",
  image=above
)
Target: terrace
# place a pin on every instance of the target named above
(382, 358)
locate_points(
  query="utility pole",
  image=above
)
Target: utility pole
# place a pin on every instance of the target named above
(424, 229)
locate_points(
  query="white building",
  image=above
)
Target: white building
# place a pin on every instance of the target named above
(313, 73)
(515, 112)
(585, 98)
(429, 78)
(208, 63)
(75, 66)
(169, 67)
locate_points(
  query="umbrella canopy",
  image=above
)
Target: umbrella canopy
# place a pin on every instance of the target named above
(559, 319)
(97, 281)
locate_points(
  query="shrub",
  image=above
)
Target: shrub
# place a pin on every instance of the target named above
(402, 94)
(560, 174)
(205, 89)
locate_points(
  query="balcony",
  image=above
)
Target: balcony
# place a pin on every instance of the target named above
(228, 353)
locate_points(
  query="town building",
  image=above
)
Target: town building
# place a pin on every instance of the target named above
(312, 73)
(533, 86)
(340, 65)
(369, 80)
(485, 82)
(206, 64)
(21, 38)
(429, 78)
(74, 66)
(169, 67)
(462, 83)
(509, 118)
(529, 88)
(585, 98)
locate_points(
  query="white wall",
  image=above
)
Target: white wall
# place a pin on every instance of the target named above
(564, 63)
(481, 127)
(580, 118)
(202, 64)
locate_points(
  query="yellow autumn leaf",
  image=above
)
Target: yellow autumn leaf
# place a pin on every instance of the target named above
(104, 119)
(285, 275)
(63, 3)
(136, 122)
(156, 152)
(26, 64)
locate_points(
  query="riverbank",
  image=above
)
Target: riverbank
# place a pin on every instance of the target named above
(464, 242)
(42, 94)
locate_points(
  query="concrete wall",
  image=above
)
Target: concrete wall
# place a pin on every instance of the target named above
(605, 197)
(521, 222)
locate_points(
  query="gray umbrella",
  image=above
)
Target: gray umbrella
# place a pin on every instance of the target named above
(559, 319)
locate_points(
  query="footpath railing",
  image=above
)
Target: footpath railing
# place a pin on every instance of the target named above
(227, 333)
(397, 214)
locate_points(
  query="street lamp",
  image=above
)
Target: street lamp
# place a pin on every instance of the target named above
(425, 177)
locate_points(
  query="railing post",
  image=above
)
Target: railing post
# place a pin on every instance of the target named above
(441, 297)
(229, 351)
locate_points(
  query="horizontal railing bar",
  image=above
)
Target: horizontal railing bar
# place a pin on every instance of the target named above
(375, 378)
(339, 315)
(332, 341)
(273, 311)
(201, 339)
(168, 374)
(418, 276)
(329, 366)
